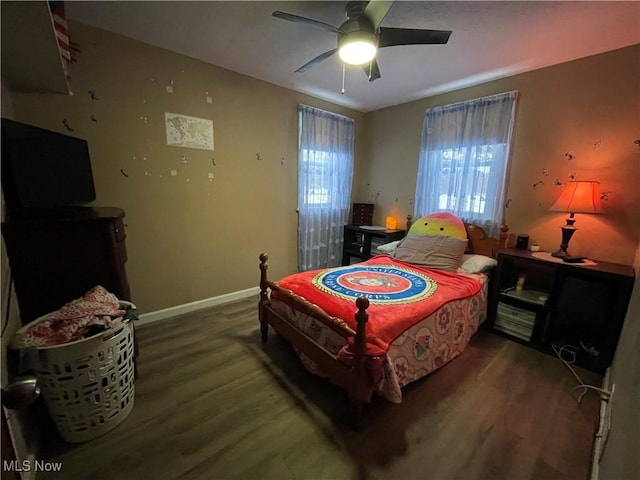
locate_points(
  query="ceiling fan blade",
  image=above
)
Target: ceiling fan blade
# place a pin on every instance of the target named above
(372, 70)
(309, 21)
(410, 36)
(318, 59)
(376, 10)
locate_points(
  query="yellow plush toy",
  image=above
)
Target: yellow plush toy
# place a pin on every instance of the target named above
(444, 223)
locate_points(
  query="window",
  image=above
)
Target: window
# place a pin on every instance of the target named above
(325, 173)
(315, 167)
(475, 198)
(463, 160)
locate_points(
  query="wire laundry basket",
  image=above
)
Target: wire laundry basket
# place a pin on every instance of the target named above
(89, 385)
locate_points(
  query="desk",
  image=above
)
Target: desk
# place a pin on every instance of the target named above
(543, 302)
(358, 239)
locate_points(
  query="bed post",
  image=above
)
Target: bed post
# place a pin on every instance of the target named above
(504, 235)
(409, 222)
(264, 298)
(358, 389)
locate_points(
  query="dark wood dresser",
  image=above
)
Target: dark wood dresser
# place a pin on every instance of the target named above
(58, 255)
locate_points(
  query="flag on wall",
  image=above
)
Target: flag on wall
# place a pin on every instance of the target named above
(60, 25)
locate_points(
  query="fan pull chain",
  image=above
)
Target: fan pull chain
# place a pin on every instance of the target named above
(344, 67)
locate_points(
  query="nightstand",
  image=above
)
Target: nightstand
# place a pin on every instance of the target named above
(543, 302)
(359, 239)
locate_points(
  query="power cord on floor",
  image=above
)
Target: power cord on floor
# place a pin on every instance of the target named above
(585, 387)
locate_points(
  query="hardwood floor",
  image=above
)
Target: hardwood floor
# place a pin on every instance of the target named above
(213, 403)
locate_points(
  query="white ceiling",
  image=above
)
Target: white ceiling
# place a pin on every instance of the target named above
(490, 40)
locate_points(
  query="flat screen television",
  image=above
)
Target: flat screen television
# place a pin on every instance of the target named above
(44, 169)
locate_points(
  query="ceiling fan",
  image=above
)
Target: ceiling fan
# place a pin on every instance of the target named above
(361, 35)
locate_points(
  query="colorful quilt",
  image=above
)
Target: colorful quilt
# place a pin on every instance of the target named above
(423, 348)
(400, 295)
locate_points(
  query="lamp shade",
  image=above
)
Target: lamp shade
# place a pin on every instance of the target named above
(579, 197)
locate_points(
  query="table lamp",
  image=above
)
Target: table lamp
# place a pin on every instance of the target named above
(576, 197)
(391, 223)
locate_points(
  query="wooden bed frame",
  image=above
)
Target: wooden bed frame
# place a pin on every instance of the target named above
(353, 378)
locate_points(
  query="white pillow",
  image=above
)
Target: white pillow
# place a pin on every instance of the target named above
(388, 247)
(472, 263)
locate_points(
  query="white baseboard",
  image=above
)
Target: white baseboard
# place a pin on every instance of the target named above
(163, 314)
(604, 425)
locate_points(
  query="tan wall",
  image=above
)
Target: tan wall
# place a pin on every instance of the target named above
(188, 238)
(588, 107)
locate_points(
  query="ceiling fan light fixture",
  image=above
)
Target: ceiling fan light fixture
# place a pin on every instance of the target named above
(360, 36)
(357, 48)
(358, 52)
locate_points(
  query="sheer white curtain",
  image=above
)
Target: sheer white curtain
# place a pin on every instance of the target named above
(463, 160)
(325, 174)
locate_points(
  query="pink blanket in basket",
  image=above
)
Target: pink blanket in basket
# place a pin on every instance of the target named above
(72, 321)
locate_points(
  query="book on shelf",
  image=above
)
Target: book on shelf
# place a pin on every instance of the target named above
(516, 315)
(515, 321)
